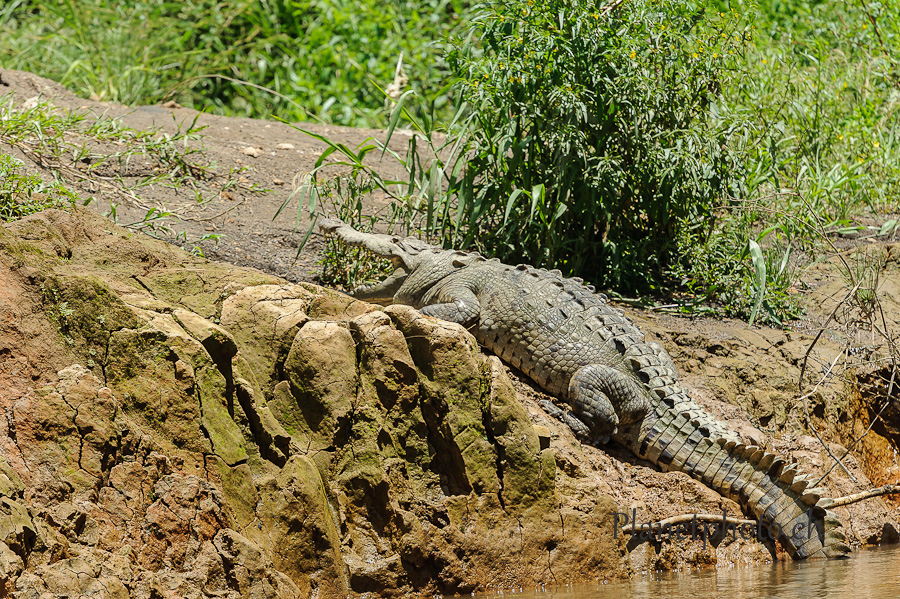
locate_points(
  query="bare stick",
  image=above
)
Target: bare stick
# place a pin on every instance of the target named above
(887, 400)
(848, 499)
(871, 424)
(819, 334)
(611, 6)
(813, 428)
(839, 502)
(685, 518)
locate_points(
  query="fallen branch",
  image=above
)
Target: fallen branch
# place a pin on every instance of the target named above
(848, 499)
(686, 518)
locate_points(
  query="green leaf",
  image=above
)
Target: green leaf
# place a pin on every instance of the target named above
(888, 227)
(759, 265)
(537, 197)
(396, 113)
(510, 202)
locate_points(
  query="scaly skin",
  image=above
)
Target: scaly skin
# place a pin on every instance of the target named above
(617, 385)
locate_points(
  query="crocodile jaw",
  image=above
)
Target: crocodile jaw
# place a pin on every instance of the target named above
(382, 292)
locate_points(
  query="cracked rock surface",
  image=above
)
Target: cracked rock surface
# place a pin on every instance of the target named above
(174, 427)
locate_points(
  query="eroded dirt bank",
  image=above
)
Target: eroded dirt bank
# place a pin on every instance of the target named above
(175, 427)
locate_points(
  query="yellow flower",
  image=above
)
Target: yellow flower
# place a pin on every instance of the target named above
(840, 137)
(715, 54)
(865, 25)
(633, 54)
(876, 144)
(765, 61)
(695, 55)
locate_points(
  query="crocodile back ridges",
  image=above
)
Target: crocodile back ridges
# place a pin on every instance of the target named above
(577, 321)
(765, 484)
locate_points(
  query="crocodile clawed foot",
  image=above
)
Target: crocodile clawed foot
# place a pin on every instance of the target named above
(581, 430)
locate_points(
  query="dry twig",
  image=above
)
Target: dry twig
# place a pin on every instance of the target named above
(853, 498)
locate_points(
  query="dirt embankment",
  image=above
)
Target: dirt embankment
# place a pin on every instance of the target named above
(220, 175)
(182, 428)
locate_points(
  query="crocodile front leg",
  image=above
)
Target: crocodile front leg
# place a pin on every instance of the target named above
(463, 307)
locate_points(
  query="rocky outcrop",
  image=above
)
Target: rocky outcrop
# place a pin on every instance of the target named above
(180, 428)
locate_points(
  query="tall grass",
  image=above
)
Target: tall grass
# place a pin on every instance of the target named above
(671, 147)
(590, 143)
(326, 59)
(822, 93)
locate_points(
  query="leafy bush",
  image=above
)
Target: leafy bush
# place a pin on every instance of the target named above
(594, 133)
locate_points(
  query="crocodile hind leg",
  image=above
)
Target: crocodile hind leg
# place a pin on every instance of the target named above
(593, 417)
(603, 397)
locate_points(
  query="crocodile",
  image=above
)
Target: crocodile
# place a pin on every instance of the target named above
(615, 384)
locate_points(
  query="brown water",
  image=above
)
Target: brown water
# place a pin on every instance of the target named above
(868, 574)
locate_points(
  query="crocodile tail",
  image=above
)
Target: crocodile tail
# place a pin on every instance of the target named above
(763, 483)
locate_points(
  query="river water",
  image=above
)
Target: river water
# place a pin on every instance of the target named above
(868, 574)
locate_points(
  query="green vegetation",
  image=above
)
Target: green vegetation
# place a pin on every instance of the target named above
(76, 149)
(325, 58)
(592, 142)
(819, 102)
(22, 194)
(668, 145)
(658, 148)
